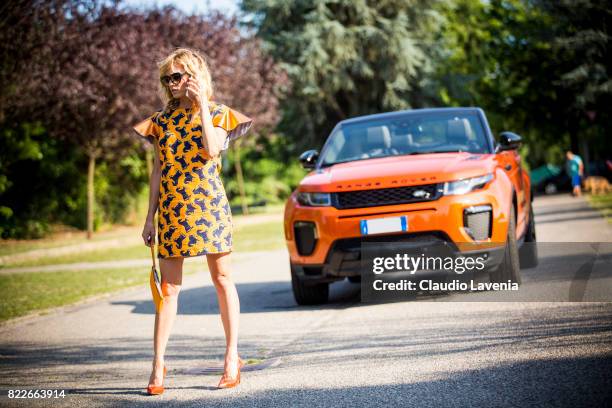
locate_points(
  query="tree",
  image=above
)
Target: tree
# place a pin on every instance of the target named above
(582, 38)
(92, 83)
(535, 66)
(344, 57)
(86, 70)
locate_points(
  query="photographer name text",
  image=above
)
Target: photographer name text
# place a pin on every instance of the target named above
(454, 285)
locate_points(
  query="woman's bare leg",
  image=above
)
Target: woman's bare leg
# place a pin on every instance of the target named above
(229, 306)
(172, 279)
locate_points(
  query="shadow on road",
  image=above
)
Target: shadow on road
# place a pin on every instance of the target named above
(560, 262)
(569, 217)
(548, 382)
(552, 210)
(254, 298)
(536, 382)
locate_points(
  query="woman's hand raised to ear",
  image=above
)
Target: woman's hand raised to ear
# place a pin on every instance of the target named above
(213, 137)
(195, 91)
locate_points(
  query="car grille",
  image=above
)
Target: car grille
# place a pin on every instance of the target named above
(422, 237)
(386, 196)
(351, 247)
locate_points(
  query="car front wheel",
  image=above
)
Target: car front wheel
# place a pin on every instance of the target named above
(308, 293)
(509, 269)
(528, 253)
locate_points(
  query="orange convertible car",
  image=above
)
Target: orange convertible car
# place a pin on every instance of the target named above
(424, 175)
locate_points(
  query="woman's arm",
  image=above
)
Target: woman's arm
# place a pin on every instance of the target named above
(213, 137)
(149, 228)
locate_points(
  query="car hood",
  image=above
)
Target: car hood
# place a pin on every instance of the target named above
(398, 171)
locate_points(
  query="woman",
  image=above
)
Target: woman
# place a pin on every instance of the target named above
(194, 215)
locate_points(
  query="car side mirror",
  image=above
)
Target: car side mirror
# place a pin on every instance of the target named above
(309, 158)
(508, 141)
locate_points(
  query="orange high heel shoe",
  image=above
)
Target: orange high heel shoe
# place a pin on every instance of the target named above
(235, 381)
(157, 389)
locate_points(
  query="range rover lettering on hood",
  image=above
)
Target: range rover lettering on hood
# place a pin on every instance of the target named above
(407, 181)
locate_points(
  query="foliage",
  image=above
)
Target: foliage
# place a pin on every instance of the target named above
(536, 67)
(42, 183)
(39, 176)
(271, 170)
(75, 75)
(344, 57)
(85, 72)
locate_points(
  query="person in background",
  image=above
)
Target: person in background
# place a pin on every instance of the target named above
(576, 172)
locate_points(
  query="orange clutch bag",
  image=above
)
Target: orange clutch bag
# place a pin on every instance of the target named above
(155, 283)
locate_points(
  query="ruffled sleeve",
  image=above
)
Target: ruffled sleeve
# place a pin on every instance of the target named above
(235, 123)
(148, 128)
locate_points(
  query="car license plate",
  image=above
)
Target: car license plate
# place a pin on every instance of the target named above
(382, 225)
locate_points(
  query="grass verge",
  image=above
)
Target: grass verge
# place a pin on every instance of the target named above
(24, 293)
(62, 235)
(254, 237)
(603, 203)
(28, 292)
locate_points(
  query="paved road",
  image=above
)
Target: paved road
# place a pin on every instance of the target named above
(425, 352)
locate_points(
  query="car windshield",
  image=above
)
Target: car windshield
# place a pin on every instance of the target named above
(404, 135)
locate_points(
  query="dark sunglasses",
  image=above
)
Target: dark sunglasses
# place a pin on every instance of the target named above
(174, 78)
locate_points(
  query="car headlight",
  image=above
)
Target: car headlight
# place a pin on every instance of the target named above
(466, 185)
(314, 199)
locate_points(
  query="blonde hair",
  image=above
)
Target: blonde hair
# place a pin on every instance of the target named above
(194, 64)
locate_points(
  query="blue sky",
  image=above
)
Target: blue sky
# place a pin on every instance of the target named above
(189, 6)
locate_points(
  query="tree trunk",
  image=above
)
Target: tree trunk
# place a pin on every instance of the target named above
(572, 126)
(585, 154)
(240, 178)
(90, 195)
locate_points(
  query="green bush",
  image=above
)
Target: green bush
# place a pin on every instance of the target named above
(38, 175)
(43, 181)
(270, 169)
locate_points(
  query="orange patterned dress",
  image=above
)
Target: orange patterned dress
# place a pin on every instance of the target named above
(194, 216)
